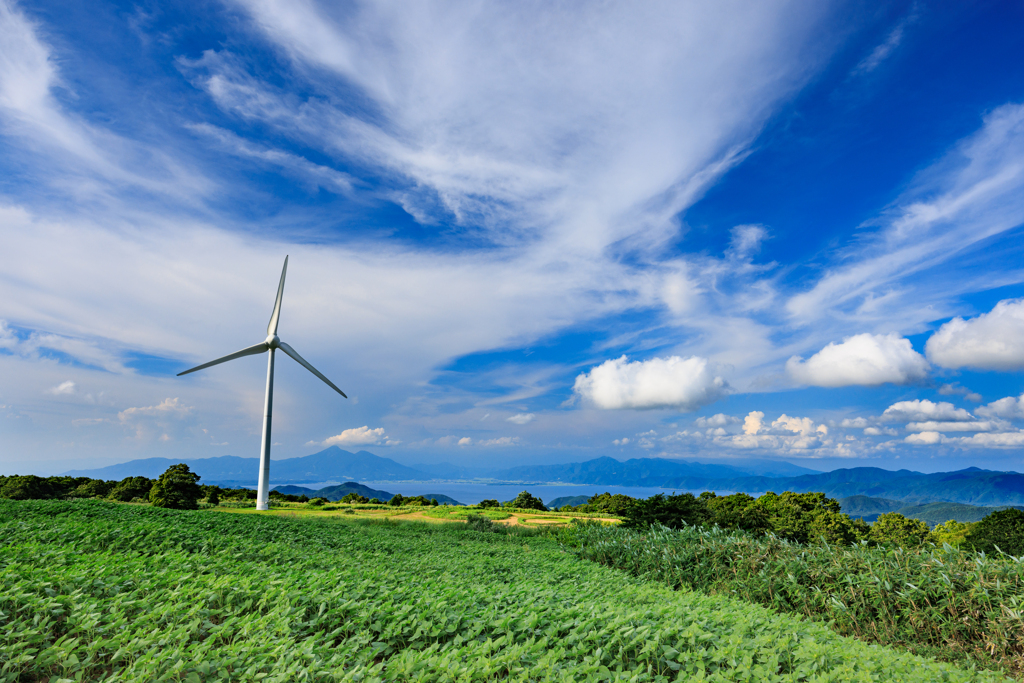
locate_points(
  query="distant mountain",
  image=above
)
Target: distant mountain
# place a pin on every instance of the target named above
(448, 471)
(868, 507)
(290, 490)
(939, 513)
(971, 486)
(329, 464)
(567, 500)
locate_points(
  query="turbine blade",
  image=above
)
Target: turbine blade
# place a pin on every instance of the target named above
(276, 315)
(302, 361)
(248, 351)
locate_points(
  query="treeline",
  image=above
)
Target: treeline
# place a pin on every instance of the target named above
(807, 518)
(177, 487)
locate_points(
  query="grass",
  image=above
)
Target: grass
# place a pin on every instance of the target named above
(958, 605)
(103, 592)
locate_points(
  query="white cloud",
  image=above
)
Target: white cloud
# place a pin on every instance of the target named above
(801, 425)
(169, 407)
(465, 441)
(63, 388)
(621, 442)
(357, 436)
(997, 440)
(717, 420)
(879, 431)
(924, 410)
(681, 383)
(863, 359)
(881, 51)
(925, 439)
(521, 418)
(746, 239)
(752, 422)
(1010, 408)
(972, 426)
(855, 423)
(992, 341)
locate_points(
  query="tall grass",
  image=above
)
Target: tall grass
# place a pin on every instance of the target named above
(944, 602)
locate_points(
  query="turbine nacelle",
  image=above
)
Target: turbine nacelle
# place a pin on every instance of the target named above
(271, 344)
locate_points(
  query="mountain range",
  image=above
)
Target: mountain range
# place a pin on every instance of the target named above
(971, 486)
(336, 493)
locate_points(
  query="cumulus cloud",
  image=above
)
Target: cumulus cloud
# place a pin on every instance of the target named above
(752, 422)
(465, 441)
(499, 441)
(1010, 408)
(863, 359)
(682, 383)
(621, 442)
(992, 341)
(521, 418)
(924, 439)
(924, 410)
(717, 420)
(67, 387)
(997, 440)
(800, 425)
(879, 431)
(854, 422)
(359, 436)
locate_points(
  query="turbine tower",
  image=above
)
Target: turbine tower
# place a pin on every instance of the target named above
(271, 344)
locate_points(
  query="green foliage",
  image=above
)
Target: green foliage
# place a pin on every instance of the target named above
(376, 501)
(213, 497)
(607, 503)
(130, 488)
(176, 489)
(892, 528)
(354, 498)
(317, 502)
(1003, 530)
(397, 500)
(935, 600)
(526, 501)
(94, 591)
(26, 487)
(951, 532)
(672, 511)
(738, 511)
(94, 488)
(489, 503)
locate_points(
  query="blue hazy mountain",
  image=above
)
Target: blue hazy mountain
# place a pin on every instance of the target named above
(646, 471)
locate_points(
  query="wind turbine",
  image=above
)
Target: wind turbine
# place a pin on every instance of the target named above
(271, 344)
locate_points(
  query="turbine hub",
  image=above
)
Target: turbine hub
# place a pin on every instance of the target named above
(273, 341)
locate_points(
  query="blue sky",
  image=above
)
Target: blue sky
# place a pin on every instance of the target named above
(518, 232)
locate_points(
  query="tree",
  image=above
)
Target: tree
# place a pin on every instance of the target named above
(608, 503)
(214, 497)
(671, 511)
(952, 532)
(737, 511)
(489, 503)
(94, 488)
(376, 501)
(1003, 529)
(396, 499)
(892, 528)
(354, 498)
(177, 488)
(526, 501)
(806, 517)
(131, 488)
(25, 487)
(317, 502)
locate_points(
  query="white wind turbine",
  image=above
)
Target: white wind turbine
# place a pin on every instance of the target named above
(271, 343)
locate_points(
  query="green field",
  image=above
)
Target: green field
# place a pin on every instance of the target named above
(101, 591)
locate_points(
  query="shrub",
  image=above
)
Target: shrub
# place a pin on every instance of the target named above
(396, 500)
(318, 501)
(672, 511)
(489, 503)
(892, 528)
(214, 497)
(952, 532)
(177, 488)
(26, 487)
(354, 498)
(376, 501)
(1003, 529)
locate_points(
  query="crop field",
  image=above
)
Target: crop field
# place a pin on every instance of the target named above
(105, 592)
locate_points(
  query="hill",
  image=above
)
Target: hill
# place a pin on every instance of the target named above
(655, 472)
(336, 493)
(568, 500)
